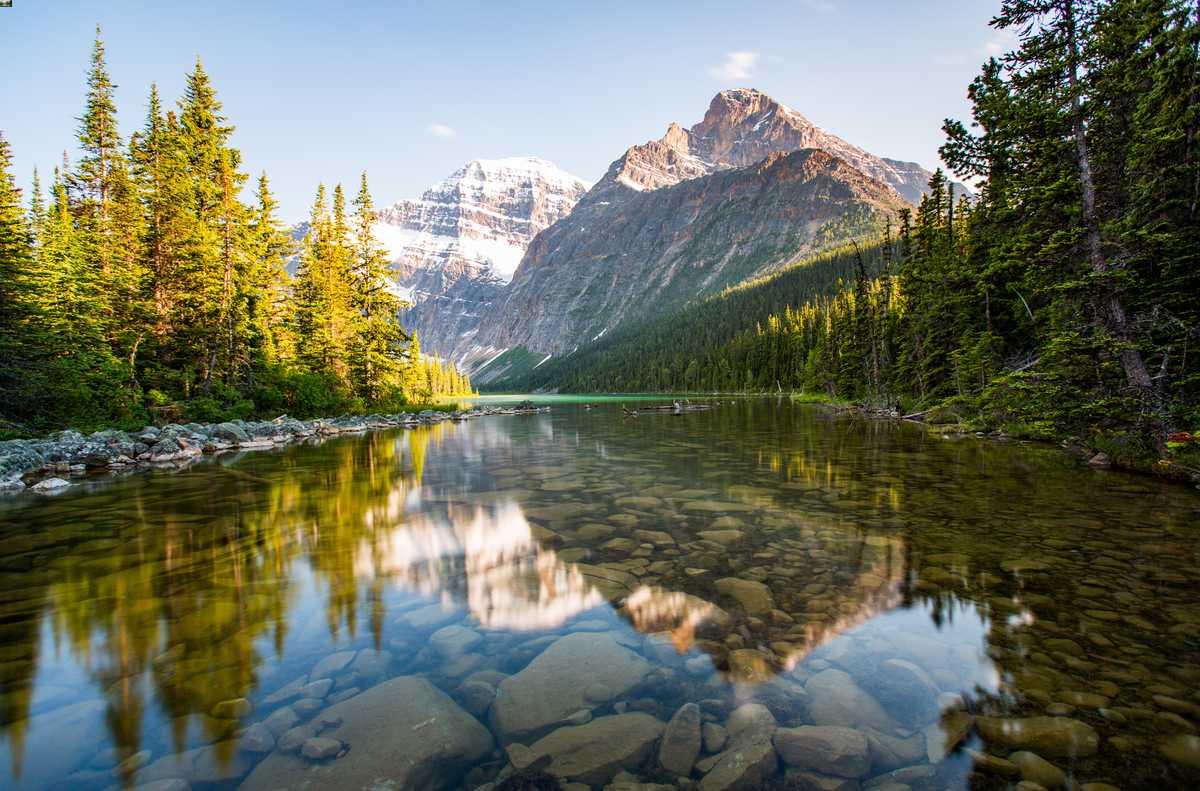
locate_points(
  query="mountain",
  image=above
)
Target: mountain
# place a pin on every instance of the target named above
(747, 189)
(454, 249)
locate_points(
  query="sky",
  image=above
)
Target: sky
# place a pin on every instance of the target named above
(409, 92)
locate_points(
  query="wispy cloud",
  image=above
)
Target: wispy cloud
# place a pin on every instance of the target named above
(441, 130)
(999, 42)
(824, 6)
(736, 66)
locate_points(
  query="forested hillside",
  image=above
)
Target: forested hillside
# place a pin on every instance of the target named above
(1064, 300)
(144, 284)
(688, 349)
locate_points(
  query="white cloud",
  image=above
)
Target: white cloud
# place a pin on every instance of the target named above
(999, 42)
(736, 66)
(441, 130)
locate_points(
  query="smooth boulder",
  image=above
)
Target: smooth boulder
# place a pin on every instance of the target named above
(829, 750)
(404, 730)
(595, 752)
(580, 671)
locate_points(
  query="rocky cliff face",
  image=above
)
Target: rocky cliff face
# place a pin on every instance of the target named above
(661, 248)
(749, 188)
(456, 247)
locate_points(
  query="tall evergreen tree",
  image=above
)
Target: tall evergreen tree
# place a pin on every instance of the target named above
(378, 347)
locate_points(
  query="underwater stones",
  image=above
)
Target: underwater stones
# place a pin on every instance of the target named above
(330, 665)
(281, 720)
(755, 597)
(1059, 737)
(750, 665)
(594, 531)
(216, 763)
(404, 729)
(829, 750)
(714, 737)
(371, 664)
(595, 752)
(578, 671)
(320, 748)
(620, 544)
(656, 537)
(836, 700)
(750, 722)
(715, 507)
(425, 619)
(941, 738)
(681, 741)
(454, 641)
(256, 739)
(1037, 769)
(476, 696)
(639, 503)
(612, 583)
(724, 537)
(905, 690)
(77, 734)
(1183, 749)
(744, 765)
(286, 692)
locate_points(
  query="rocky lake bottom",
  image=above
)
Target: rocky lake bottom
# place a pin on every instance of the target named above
(762, 595)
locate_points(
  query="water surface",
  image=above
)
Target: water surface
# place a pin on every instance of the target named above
(567, 582)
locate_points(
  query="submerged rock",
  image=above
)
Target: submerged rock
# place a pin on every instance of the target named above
(828, 750)
(405, 730)
(580, 671)
(1059, 737)
(595, 752)
(755, 598)
(681, 741)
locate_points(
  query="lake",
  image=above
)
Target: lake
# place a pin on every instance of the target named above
(762, 595)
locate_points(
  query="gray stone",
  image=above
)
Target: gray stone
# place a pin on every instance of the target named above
(49, 485)
(578, 671)
(595, 752)
(439, 741)
(829, 750)
(454, 641)
(681, 741)
(715, 737)
(216, 763)
(281, 720)
(750, 722)
(741, 766)
(256, 739)
(330, 665)
(905, 691)
(317, 689)
(320, 748)
(476, 696)
(836, 700)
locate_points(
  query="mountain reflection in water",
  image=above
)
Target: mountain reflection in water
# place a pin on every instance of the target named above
(864, 576)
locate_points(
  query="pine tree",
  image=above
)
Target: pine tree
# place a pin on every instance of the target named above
(378, 347)
(15, 265)
(269, 285)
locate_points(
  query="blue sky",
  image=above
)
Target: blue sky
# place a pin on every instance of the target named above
(410, 91)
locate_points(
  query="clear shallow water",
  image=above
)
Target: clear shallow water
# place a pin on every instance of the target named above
(414, 606)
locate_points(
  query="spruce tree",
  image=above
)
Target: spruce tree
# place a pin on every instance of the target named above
(378, 347)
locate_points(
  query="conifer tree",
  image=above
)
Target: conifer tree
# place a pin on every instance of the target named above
(378, 347)
(15, 265)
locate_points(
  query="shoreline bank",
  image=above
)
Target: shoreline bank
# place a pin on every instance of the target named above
(39, 465)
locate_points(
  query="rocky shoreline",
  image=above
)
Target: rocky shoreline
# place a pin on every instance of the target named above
(49, 464)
